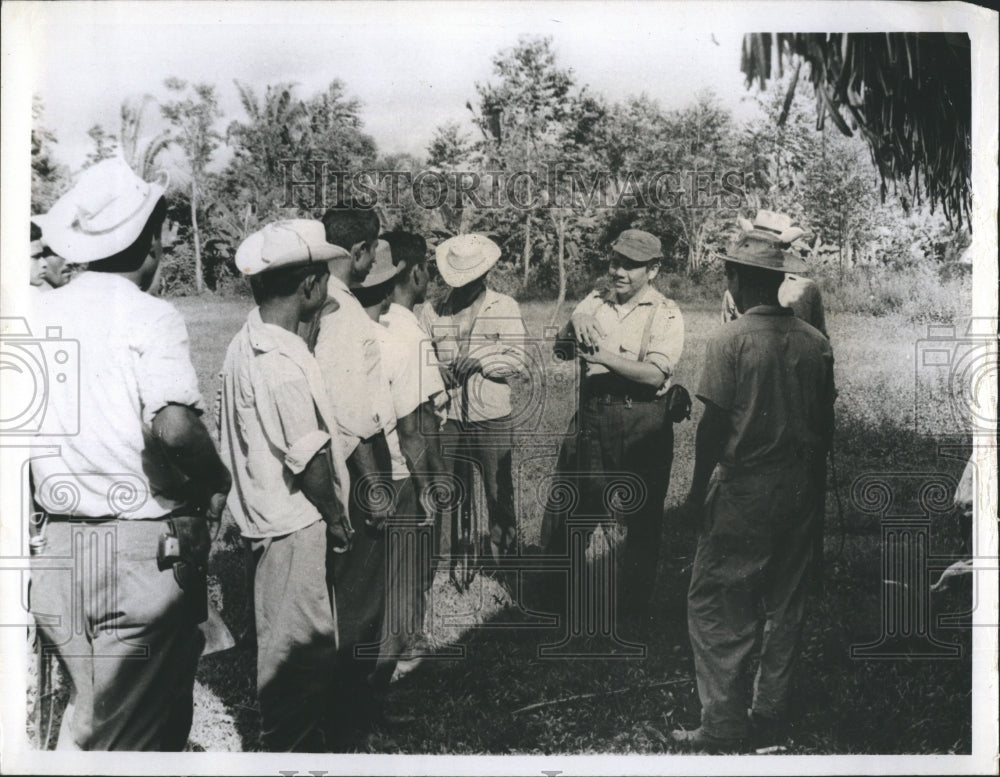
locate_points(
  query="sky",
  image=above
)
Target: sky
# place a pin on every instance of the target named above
(413, 65)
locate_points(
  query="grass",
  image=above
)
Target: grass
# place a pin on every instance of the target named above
(841, 705)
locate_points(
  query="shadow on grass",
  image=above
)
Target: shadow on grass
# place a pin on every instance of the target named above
(232, 675)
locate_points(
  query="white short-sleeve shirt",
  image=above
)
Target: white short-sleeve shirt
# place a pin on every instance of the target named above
(125, 358)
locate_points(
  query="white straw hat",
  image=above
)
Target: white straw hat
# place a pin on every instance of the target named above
(102, 214)
(285, 244)
(463, 258)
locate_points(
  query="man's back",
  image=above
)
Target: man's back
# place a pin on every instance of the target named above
(133, 360)
(773, 374)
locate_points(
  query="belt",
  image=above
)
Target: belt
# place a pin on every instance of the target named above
(623, 399)
(614, 390)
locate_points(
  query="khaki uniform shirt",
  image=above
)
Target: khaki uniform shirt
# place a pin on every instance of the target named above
(624, 325)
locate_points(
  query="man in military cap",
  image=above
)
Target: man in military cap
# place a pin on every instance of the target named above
(767, 387)
(280, 437)
(630, 337)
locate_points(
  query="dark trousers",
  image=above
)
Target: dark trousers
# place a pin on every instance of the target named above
(124, 632)
(485, 445)
(359, 584)
(618, 467)
(409, 563)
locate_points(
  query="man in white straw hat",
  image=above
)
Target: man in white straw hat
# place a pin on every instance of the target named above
(129, 478)
(767, 387)
(797, 292)
(280, 438)
(479, 336)
(630, 337)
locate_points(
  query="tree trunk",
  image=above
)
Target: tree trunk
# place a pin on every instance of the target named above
(199, 279)
(527, 247)
(560, 225)
(561, 259)
(840, 249)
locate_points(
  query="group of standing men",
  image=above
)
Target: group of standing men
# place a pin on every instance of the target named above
(343, 418)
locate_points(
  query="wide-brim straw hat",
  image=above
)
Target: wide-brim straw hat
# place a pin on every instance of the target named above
(102, 214)
(463, 258)
(285, 243)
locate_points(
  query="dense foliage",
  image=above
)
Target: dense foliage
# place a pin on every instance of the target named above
(572, 169)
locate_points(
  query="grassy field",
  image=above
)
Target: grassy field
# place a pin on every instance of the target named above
(841, 705)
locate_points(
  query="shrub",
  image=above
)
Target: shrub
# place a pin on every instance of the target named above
(920, 292)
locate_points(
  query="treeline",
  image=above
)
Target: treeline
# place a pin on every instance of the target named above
(551, 170)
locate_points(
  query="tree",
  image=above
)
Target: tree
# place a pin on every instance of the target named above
(105, 145)
(449, 147)
(523, 119)
(909, 94)
(280, 127)
(140, 153)
(48, 177)
(193, 116)
(705, 151)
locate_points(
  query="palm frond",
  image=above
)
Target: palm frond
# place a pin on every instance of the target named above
(909, 94)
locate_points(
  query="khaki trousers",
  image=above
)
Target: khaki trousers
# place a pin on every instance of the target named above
(296, 638)
(123, 632)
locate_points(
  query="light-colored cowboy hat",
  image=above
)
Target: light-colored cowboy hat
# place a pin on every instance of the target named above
(102, 214)
(285, 244)
(382, 268)
(771, 225)
(463, 258)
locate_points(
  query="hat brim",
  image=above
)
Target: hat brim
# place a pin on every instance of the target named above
(457, 278)
(78, 247)
(251, 249)
(635, 254)
(789, 263)
(378, 278)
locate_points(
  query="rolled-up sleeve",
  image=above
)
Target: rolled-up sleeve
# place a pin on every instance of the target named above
(666, 340)
(718, 375)
(288, 414)
(164, 372)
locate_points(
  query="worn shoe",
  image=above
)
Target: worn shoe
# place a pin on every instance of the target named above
(703, 742)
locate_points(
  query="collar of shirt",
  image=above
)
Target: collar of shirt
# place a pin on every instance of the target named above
(103, 280)
(397, 314)
(339, 291)
(266, 337)
(490, 298)
(769, 310)
(646, 296)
